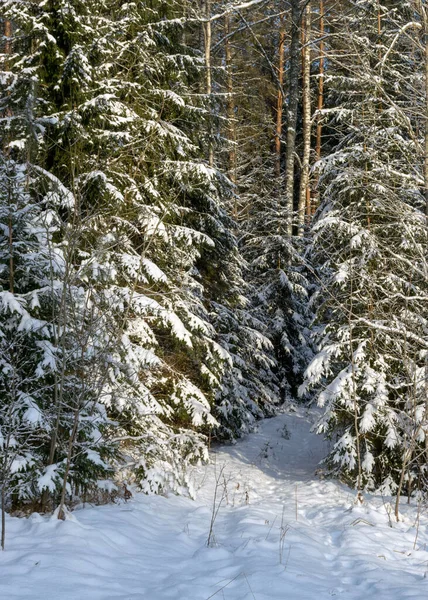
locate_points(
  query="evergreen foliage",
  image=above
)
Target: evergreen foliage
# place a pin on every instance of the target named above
(119, 260)
(370, 244)
(158, 270)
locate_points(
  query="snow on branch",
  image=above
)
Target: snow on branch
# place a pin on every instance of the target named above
(395, 40)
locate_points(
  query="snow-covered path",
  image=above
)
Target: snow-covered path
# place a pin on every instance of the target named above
(280, 534)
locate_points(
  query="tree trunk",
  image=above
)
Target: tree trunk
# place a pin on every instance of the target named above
(425, 19)
(8, 35)
(280, 100)
(60, 323)
(354, 396)
(231, 124)
(71, 442)
(7, 51)
(320, 103)
(293, 100)
(208, 81)
(3, 514)
(304, 196)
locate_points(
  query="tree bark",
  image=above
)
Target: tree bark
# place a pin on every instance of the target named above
(304, 196)
(320, 104)
(293, 100)
(71, 442)
(231, 124)
(425, 19)
(208, 81)
(8, 35)
(7, 51)
(3, 515)
(280, 100)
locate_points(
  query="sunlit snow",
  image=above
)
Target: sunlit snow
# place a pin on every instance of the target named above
(281, 532)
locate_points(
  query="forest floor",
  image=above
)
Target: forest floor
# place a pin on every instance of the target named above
(280, 533)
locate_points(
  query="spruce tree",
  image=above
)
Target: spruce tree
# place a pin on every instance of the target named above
(370, 247)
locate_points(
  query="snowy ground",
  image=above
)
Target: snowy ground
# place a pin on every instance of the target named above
(280, 534)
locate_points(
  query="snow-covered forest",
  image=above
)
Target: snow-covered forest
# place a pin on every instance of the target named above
(213, 214)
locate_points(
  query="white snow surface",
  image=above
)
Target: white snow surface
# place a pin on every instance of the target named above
(280, 533)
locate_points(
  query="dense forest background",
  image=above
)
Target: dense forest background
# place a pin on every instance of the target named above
(209, 210)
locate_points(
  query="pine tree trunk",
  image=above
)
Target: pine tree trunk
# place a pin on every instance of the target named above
(8, 35)
(304, 196)
(293, 100)
(280, 100)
